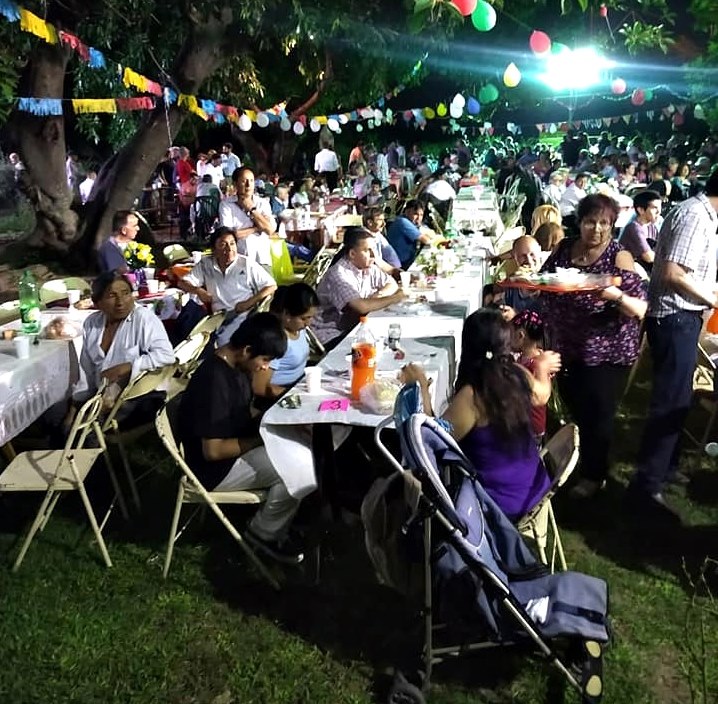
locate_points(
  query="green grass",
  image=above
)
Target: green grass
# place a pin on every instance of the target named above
(73, 631)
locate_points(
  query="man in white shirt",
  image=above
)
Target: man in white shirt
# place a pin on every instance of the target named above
(326, 164)
(228, 281)
(230, 161)
(571, 197)
(215, 169)
(382, 168)
(250, 216)
(86, 186)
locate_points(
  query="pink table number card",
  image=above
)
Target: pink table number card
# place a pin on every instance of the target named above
(339, 404)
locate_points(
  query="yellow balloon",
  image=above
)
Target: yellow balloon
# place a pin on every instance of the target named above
(512, 76)
(441, 110)
(429, 113)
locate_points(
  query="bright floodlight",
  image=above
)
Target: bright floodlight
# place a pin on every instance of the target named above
(569, 70)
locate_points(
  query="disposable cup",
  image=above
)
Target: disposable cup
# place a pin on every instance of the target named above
(22, 346)
(405, 277)
(149, 272)
(314, 379)
(196, 256)
(73, 296)
(153, 286)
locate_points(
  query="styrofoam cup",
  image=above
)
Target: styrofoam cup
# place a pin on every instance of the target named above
(149, 272)
(73, 296)
(405, 277)
(22, 346)
(153, 286)
(313, 376)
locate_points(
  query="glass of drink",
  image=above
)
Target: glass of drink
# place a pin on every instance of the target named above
(393, 338)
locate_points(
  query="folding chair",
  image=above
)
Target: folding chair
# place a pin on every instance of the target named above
(175, 253)
(316, 270)
(208, 324)
(56, 289)
(58, 471)
(316, 348)
(560, 456)
(187, 355)
(143, 384)
(206, 210)
(191, 491)
(9, 311)
(704, 391)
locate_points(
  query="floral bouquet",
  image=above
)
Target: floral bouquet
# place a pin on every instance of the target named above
(138, 256)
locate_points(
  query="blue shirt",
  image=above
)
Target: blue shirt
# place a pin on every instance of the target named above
(110, 256)
(403, 236)
(289, 367)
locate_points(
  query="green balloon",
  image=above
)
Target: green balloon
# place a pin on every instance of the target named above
(648, 95)
(488, 93)
(483, 17)
(558, 48)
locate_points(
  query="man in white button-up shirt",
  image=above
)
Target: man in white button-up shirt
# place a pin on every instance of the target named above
(250, 216)
(228, 281)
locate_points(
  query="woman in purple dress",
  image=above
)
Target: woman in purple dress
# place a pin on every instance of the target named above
(490, 413)
(597, 334)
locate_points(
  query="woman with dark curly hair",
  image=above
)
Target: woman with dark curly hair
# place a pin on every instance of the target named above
(597, 334)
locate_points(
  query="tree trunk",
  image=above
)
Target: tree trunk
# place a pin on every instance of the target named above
(41, 143)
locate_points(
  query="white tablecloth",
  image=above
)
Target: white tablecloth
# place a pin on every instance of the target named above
(287, 432)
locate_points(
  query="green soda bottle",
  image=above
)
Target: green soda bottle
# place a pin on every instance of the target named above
(29, 304)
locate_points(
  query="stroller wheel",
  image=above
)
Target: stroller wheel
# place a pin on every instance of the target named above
(403, 692)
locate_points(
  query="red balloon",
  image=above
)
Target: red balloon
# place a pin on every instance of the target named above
(618, 87)
(678, 119)
(465, 7)
(638, 97)
(603, 11)
(539, 42)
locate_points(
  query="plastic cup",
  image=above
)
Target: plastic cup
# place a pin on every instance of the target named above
(313, 376)
(73, 296)
(153, 286)
(196, 256)
(22, 346)
(405, 277)
(149, 272)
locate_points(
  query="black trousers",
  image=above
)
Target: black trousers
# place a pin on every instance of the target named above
(592, 395)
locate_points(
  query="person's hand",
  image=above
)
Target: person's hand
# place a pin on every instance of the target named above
(243, 306)
(413, 372)
(507, 312)
(114, 374)
(548, 362)
(204, 296)
(611, 293)
(400, 296)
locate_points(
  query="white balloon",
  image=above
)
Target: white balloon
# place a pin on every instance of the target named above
(366, 113)
(378, 115)
(455, 110)
(343, 119)
(359, 128)
(459, 100)
(285, 125)
(339, 130)
(314, 125)
(262, 119)
(370, 124)
(245, 124)
(298, 128)
(332, 124)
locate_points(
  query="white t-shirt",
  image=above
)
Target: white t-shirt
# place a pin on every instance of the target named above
(441, 190)
(256, 246)
(326, 160)
(570, 199)
(86, 189)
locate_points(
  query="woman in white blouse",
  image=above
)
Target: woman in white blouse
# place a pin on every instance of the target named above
(121, 339)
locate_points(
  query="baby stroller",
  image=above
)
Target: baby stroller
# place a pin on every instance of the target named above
(481, 584)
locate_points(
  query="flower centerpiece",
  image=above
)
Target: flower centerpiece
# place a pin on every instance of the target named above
(138, 256)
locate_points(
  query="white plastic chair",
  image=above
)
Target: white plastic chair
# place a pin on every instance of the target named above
(208, 324)
(58, 471)
(187, 354)
(191, 491)
(560, 456)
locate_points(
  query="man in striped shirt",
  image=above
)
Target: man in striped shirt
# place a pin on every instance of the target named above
(682, 287)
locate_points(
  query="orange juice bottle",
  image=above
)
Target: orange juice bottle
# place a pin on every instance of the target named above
(363, 358)
(712, 324)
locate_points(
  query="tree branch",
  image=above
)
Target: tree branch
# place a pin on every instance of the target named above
(327, 78)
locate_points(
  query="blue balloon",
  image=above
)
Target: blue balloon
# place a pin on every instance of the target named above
(472, 106)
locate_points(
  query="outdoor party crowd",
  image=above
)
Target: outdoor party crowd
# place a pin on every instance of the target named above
(645, 216)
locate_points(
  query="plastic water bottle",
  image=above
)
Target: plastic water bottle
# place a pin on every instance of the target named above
(363, 358)
(29, 304)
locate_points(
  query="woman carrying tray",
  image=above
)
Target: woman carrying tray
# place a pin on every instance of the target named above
(596, 333)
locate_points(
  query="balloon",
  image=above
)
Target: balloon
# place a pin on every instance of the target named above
(488, 93)
(678, 119)
(370, 124)
(314, 125)
(699, 113)
(343, 118)
(603, 11)
(465, 7)
(332, 124)
(638, 97)
(262, 119)
(408, 115)
(285, 125)
(441, 110)
(245, 124)
(648, 93)
(557, 48)
(429, 113)
(366, 113)
(472, 106)
(359, 128)
(378, 115)
(512, 76)
(455, 110)
(483, 17)
(618, 87)
(552, 128)
(459, 100)
(539, 42)
(298, 128)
